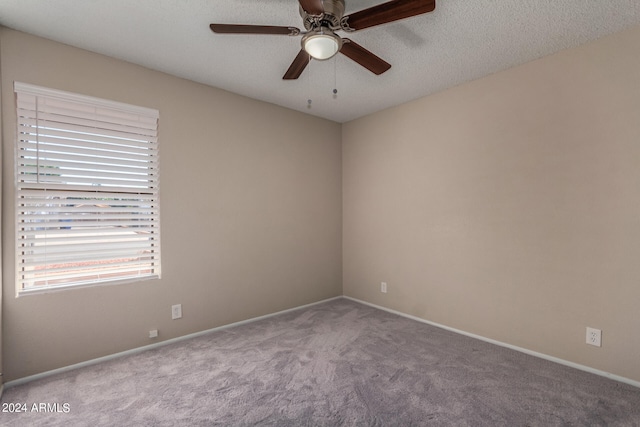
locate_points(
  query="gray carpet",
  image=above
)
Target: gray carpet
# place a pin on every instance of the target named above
(333, 364)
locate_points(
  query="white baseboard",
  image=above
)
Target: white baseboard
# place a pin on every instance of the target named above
(509, 346)
(136, 350)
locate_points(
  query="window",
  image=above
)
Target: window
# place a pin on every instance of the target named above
(87, 205)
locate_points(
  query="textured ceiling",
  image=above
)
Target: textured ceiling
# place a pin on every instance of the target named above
(460, 41)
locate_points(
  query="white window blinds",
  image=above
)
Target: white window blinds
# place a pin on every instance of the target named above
(87, 176)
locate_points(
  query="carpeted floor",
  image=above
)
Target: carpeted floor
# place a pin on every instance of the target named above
(333, 364)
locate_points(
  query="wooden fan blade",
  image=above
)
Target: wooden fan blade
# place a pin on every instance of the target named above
(389, 12)
(312, 7)
(253, 29)
(363, 57)
(297, 66)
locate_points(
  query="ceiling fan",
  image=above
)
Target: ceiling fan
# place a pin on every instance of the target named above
(322, 18)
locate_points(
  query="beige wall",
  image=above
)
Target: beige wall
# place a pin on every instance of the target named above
(251, 212)
(508, 207)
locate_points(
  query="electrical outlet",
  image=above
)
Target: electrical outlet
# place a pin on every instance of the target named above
(153, 333)
(594, 337)
(383, 287)
(176, 311)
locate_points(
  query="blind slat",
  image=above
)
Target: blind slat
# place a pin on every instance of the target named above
(88, 119)
(53, 168)
(37, 194)
(106, 237)
(92, 118)
(83, 274)
(130, 248)
(83, 155)
(29, 129)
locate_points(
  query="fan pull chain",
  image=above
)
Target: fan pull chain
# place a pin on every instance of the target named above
(309, 100)
(335, 77)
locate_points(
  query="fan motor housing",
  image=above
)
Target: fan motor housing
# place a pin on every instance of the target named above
(331, 18)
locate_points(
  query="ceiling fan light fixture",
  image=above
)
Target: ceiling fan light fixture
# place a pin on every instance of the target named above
(321, 44)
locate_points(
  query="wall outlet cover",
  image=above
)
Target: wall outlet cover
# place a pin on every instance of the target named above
(176, 311)
(594, 337)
